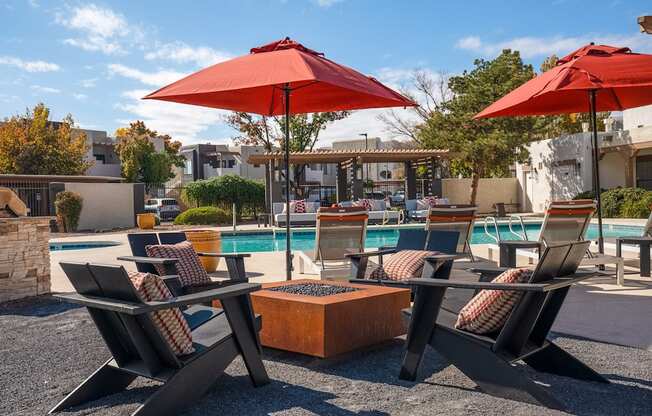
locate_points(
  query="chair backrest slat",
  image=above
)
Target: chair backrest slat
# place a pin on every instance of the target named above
(153, 349)
(566, 221)
(456, 218)
(108, 323)
(172, 237)
(137, 242)
(340, 231)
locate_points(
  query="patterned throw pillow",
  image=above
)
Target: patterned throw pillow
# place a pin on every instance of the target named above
(422, 205)
(170, 322)
(298, 207)
(431, 201)
(190, 270)
(405, 264)
(487, 311)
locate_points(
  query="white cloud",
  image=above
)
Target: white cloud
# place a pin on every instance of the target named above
(80, 97)
(46, 90)
(88, 83)
(531, 46)
(29, 66)
(328, 3)
(101, 29)
(182, 53)
(182, 122)
(156, 79)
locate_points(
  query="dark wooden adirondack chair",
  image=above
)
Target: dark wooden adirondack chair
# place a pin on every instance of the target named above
(138, 348)
(138, 241)
(488, 359)
(408, 239)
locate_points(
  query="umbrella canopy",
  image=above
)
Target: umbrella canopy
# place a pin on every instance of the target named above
(621, 79)
(254, 84)
(281, 78)
(593, 78)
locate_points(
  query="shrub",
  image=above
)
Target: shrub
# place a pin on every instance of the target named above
(614, 200)
(585, 195)
(224, 191)
(68, 206)
(202, 216)
(637, 208)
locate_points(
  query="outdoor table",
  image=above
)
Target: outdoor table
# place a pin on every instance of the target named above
(643, 244)
(508, 250)
(264, 216)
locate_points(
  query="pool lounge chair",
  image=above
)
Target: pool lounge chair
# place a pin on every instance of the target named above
(416, 210)
(489, 359)
(339, 231)
(568, 221)
(139, 349)
(458, 218)
(138, 242)
(306, 219)
(380, 214)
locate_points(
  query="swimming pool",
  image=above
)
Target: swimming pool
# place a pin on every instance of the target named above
(81, 245)
(305, 240)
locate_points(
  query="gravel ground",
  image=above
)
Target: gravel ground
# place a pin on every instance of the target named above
(47, 348)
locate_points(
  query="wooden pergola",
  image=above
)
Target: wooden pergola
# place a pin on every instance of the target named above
(349, 167)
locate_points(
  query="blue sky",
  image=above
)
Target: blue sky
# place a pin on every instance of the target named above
(96, 59)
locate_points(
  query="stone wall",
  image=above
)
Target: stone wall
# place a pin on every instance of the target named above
(24, 257)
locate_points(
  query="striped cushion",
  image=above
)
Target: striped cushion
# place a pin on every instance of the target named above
(190, 270)
(487, 311)
(170, 322)
(298, 207)
(366, 203)
(403, 265)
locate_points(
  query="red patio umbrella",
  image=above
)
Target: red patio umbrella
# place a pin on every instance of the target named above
(281, 78)
(593, 78)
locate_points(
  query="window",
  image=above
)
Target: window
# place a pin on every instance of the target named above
(385, 174)
(231, 163)
(188, 167)
(256, 165)
(100, 158)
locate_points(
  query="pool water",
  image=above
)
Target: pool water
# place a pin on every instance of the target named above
(305, 240)
(82, 245)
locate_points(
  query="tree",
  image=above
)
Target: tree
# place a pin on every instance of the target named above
(482, 147)
(270, 132)
(31, 144)
(140, 162)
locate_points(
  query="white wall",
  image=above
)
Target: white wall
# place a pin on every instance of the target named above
(635, 117)
(490, 191)
(106, 205)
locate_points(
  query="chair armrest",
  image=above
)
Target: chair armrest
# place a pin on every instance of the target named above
(371, 253)
(225, 255)
(441, 258)
(552, 284)
(131, 308)
(488, 270)
(150, 260)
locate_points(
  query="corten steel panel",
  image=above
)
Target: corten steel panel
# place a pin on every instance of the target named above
(330, 325)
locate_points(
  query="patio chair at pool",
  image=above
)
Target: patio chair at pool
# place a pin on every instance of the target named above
(139, 241)
(569, 221)
(515, 330)
(459, 218)
(378, 211)
(136, 333)
(297, 219)
(417, 209)
(339, 231)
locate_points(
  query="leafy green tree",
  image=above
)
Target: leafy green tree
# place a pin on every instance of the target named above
(485, 147)
(139, 159)
(32, 144)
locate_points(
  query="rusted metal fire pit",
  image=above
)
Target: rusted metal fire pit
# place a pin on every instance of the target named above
(326, 318)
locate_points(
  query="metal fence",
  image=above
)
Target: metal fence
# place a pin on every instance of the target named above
(34, 194)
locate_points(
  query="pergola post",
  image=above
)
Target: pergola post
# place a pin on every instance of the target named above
(435, 179)
(275, 183)
(341, 183)
(357, 188)
(410, 182)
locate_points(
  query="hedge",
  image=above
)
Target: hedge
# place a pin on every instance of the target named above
(68, 206)
(202, 216)
(247, 194)
(623, 202)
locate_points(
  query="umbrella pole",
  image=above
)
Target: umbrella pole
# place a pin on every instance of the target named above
(288, 250)
(596, 168)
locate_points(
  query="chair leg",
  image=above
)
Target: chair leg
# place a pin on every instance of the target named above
(422, 324)
(236, 269)
(105, 381)
(489, 371)
(553, 359)
(240, 315)
(190, 383)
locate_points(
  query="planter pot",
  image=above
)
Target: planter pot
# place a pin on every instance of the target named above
(146, 221)
(206, 241)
